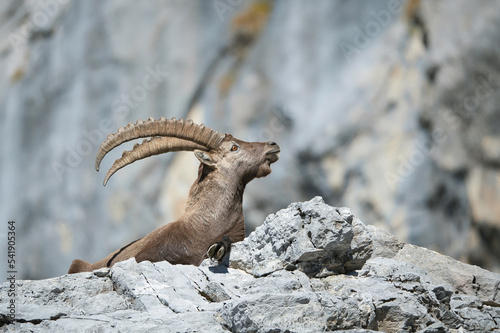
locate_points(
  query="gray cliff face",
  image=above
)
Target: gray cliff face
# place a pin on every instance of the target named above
(309, 268)
(400, 122)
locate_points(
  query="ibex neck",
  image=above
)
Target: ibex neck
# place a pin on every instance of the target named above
(216, 200)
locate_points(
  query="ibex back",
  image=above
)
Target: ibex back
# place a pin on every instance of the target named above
(214, 206)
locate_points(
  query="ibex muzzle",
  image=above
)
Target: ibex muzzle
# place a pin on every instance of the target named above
(214, 206)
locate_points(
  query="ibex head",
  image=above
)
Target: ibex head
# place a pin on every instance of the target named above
(241, 159)
(216, 151)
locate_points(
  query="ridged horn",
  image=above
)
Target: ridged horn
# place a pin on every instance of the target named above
(185, 130)
(154, 146)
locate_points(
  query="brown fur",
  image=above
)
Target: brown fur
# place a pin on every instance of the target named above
(213, 210)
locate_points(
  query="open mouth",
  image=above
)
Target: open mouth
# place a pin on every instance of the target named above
(274, 151)
(273, 155)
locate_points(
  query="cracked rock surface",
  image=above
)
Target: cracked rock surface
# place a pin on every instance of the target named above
(309, 268)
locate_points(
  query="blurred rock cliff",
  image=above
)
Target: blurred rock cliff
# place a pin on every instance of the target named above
(390, 108)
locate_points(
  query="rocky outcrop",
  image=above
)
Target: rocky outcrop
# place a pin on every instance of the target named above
(309, 268)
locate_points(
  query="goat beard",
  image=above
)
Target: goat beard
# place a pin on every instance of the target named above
(264, 170)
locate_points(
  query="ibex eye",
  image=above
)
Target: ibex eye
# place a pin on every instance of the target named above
(234, 148)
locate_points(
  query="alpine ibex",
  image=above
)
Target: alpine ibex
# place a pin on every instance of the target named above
(213, 217)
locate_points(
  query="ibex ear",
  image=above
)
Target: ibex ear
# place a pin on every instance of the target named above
(205, 158)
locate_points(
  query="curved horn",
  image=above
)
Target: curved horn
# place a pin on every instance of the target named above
(155, 146)
(186, 130)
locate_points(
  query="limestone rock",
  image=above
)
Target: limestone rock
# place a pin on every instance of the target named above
(309, 268)
(313, 237)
